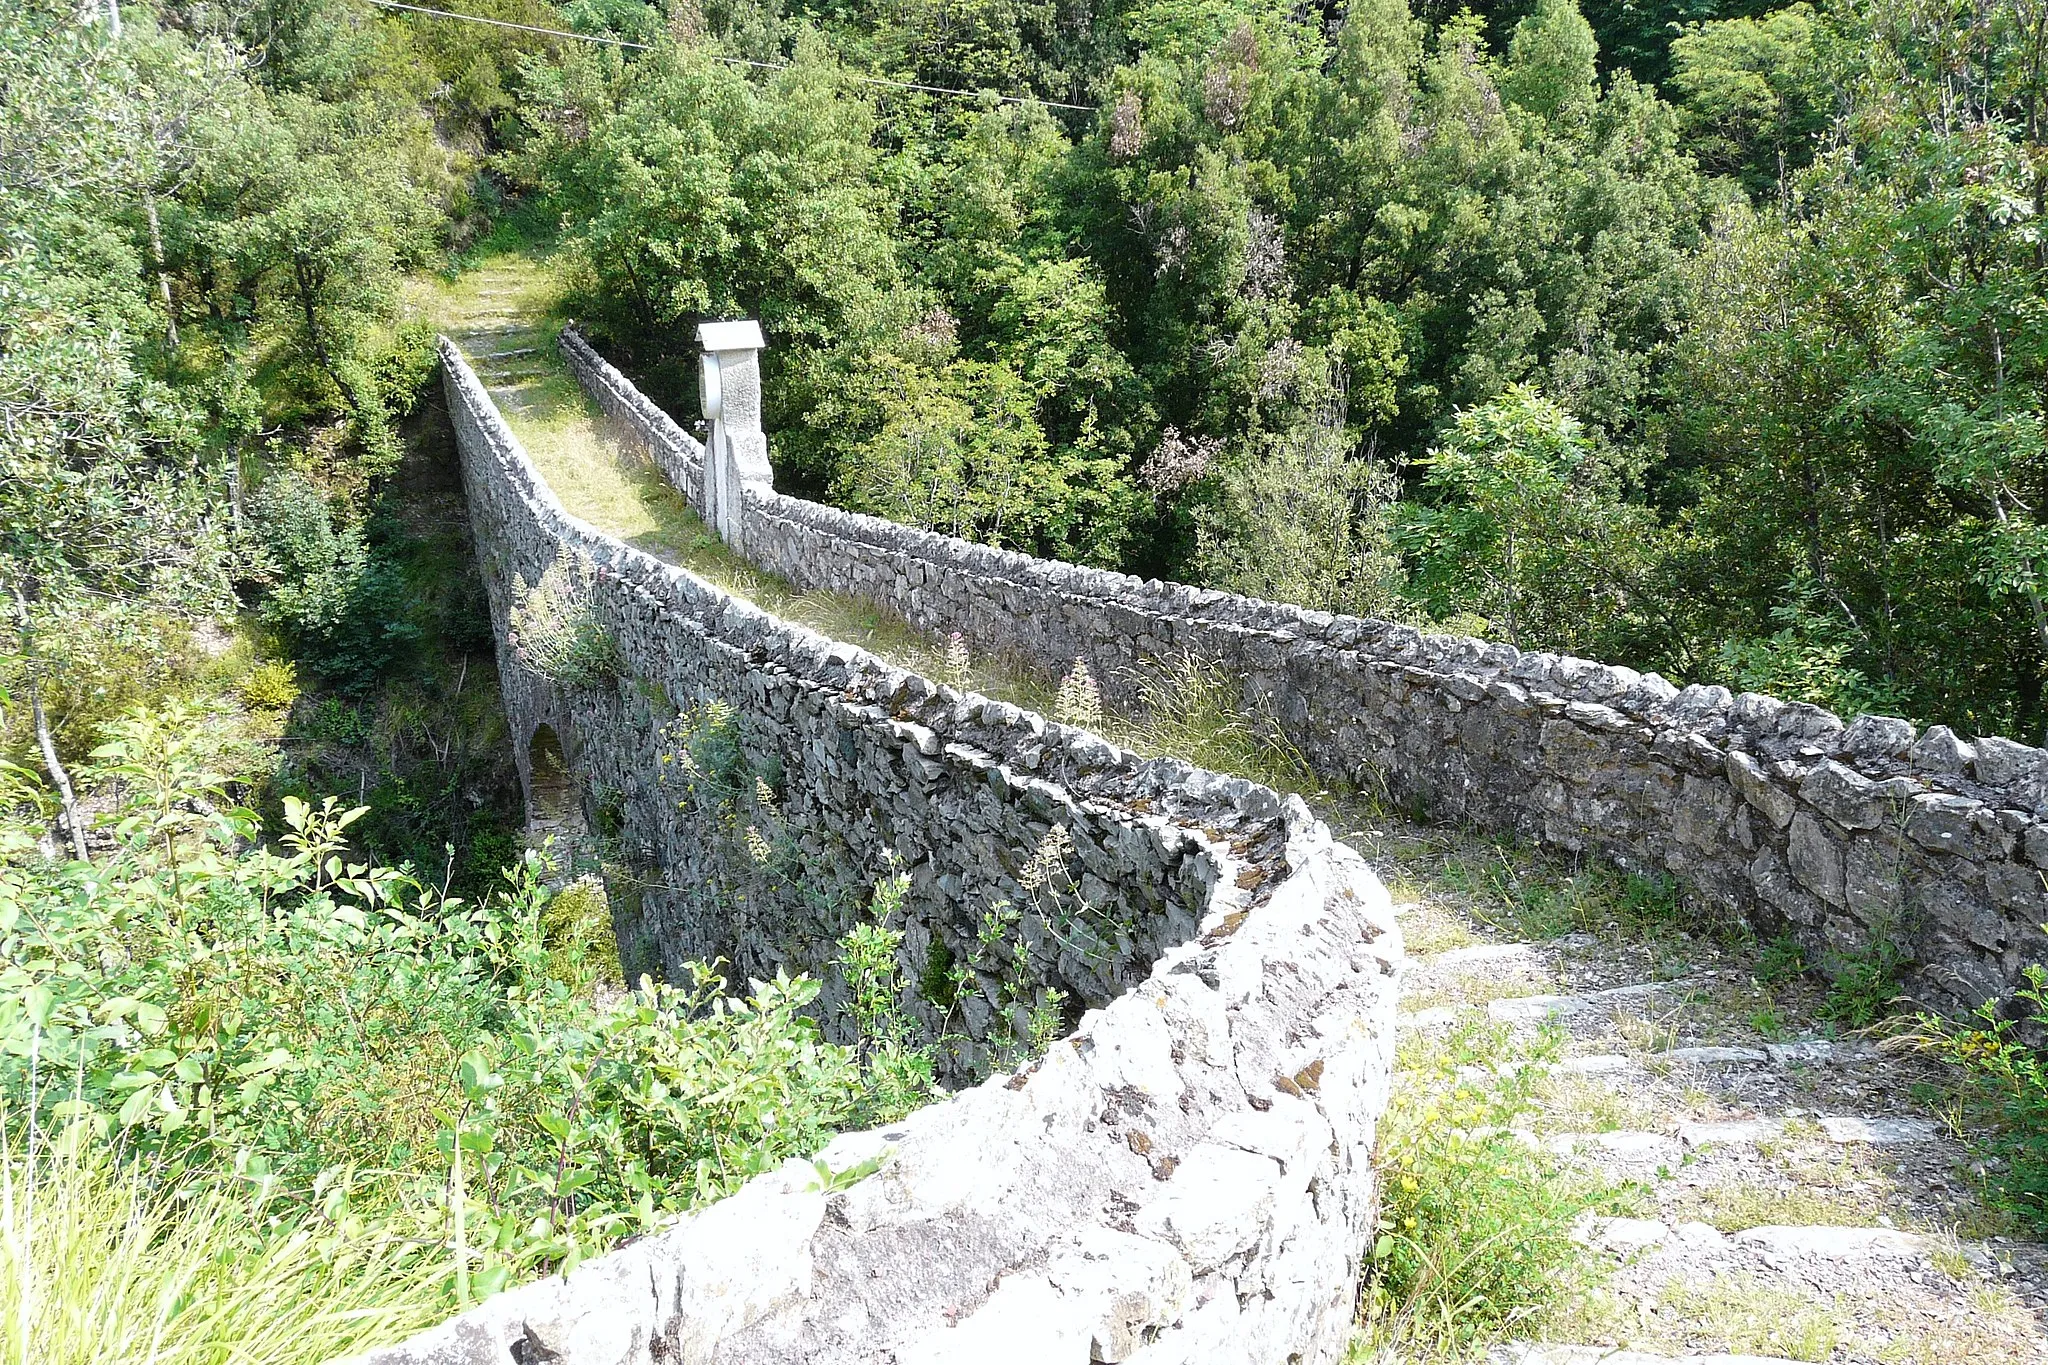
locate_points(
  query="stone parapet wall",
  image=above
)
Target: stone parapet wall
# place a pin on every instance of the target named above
(1184, 1177)
(676, 453)
(1840, 834)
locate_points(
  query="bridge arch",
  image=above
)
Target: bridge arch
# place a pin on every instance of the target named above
(552, 804)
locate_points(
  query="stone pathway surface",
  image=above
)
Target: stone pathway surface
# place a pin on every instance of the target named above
(496, 328)
(1796, 1198)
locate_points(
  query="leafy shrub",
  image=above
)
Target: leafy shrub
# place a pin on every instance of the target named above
(403, 365)
(270, 686)
(335, 721)
(340, 606)
(1807, 659)
(2006, 1077)
(705, 759)
(902, 1072)
(591, 1125)
(1780, 960)
(1302, 522)
(1527, 526)
(575, 927)
(556, 629)
(1863, 982)
(347, 1040)
(1475, 1234)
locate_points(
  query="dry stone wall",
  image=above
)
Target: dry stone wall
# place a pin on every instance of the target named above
(1843, 834)
(676, 453)
(1184, 1177)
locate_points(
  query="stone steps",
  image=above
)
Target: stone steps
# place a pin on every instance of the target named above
(1717, 1122)
(1524, 1009)
(1820, 1053)
(1842, 1129)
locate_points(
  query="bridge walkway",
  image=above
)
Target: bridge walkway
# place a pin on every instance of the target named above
(1756, 1179)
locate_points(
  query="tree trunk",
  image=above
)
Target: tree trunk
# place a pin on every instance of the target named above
(163, 274)
(46, 741)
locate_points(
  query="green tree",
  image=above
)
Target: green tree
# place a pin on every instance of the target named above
(1302, 521)
(1552, 61)
(1875, 353)
(1528, 529)
(1754, 95)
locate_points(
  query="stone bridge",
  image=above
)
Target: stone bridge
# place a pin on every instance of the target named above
(1185, 1175)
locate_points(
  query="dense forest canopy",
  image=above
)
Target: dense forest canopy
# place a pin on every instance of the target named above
(1703, 338)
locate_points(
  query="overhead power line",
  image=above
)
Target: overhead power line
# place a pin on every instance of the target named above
(730, 61)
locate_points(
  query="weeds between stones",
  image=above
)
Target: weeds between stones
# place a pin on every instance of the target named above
(1475, 1235)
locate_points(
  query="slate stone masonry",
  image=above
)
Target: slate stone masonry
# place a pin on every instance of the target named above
(1842, 834)
(1185, 1177)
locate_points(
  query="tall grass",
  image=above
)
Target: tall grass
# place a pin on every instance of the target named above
(1474, 1244)
(99, 1268)
(1192, 708)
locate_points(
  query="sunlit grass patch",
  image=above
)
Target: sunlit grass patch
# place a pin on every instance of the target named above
(97, 1267)
(1734, 1208)
(520, 286)
(1568, 1103)
(1480, 984)
(1475, 1237)
(1742, 1314)
(1738, 1313)
(1428, 932)
(1526, 893)
(1191, 708)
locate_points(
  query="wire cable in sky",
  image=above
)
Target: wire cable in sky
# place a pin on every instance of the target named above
(730, 61)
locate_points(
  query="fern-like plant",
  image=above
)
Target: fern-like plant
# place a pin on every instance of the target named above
(1079, 702)
(557, 631)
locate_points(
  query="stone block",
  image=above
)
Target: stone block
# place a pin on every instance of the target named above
(1833, 1244)
(1940, 822)
(1025, 1322)
(2004, 762)
(1769, 800)
(1702, 807)
(1570, 752)
(2017, 887)
(1216, 1205)
(1873, 741)
(1940, 751)
(1774, 886)
(1755, 712)
(1815, 859)
(1844, 796)
(1872, 879)
(1128, 1287)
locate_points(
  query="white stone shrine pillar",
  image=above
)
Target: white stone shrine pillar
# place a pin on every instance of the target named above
(736, 456)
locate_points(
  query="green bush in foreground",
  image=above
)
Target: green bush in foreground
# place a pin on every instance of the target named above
(2006, 1078)
(282, 1044)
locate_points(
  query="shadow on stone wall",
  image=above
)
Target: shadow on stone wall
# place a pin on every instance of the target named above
(1185, 1177)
